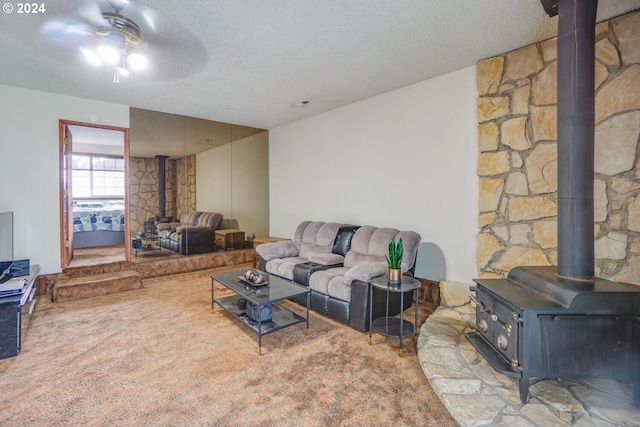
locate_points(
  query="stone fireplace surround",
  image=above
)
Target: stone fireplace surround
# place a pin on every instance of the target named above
(517, 142)
(518, 221)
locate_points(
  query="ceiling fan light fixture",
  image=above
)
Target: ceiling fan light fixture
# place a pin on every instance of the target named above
(108, 53)
(136, 61)
(91, 56)
(123, 71)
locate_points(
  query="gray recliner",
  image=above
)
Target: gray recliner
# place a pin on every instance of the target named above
(338, 268)
(312, 242)
(342, 292)
(194, 234)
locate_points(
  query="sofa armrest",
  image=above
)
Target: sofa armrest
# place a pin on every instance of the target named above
(359, 306)
(280, 249)
(167, 226)
(365, 272)
(192, 228)
(327, 259)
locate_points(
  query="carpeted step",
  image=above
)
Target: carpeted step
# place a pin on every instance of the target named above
(88, 270)
(97, 284)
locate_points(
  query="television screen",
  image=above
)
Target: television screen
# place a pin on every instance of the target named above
(6, 236)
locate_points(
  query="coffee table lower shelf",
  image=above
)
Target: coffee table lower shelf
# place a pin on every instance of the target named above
(280, 317)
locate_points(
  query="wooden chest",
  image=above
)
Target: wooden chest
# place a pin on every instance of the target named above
(229, 239)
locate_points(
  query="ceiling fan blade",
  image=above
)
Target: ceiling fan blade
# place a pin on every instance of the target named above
(66, 33)
(90, 11)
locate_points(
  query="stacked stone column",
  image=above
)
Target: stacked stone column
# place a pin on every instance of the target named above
(517, 163)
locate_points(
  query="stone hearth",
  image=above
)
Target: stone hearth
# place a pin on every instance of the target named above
(476, 395)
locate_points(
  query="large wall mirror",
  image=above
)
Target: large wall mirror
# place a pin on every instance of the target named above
(208, 166)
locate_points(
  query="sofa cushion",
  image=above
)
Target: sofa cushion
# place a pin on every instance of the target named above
(370, 245)
(190, 218)
(165, 233)
(311, 238)
(365, 272)
(279, 249)
(327, 259)
(319, 281)
(410, 243)
(192, 228)
(209, 219)
(283, 267)
(164, 226)
(318, 238)
(361, 239)
(354, 258)
(338, 289)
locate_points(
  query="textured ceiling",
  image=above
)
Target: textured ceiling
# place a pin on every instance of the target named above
(248, 61)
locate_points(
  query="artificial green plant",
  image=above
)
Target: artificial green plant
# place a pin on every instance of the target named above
(394, 259)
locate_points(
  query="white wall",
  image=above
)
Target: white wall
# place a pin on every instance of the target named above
(29, 176)
(405, 159)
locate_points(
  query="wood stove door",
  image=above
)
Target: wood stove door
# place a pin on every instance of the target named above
(505, 336)
(484, 308)
(496, 322)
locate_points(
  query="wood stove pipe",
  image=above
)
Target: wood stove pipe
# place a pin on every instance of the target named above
(576, 133)
(162, 200)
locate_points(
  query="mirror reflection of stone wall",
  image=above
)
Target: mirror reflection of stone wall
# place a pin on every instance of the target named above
(180, 189)
(210, 166)
(185, 186)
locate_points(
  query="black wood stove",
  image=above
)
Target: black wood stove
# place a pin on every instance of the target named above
(548, 322)
(533, 324)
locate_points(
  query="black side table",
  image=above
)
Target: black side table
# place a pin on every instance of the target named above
(391, 326)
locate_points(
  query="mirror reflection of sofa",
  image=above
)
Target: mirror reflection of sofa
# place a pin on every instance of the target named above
(193, 234)
(337, 261)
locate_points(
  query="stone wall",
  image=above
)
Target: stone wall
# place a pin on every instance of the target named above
(180, 189)
(143, 191)
(517, 161)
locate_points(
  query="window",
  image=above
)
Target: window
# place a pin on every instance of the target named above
(97, 176)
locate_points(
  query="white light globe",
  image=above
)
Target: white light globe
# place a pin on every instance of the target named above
(91, 56)
(108, 54)
(123, 71)
(137, 61)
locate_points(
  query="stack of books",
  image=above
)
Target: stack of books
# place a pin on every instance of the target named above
(13, 286)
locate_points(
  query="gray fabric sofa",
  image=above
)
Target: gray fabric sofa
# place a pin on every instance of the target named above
(194, 234)
(339, 276)
(312, 242)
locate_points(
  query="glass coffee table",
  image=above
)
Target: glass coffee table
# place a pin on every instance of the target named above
(146, 242)
(277, 289)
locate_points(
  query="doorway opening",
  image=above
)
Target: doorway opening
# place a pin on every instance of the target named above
(94, 199)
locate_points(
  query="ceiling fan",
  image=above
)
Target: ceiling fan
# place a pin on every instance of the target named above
(124, 36)
(103, 37)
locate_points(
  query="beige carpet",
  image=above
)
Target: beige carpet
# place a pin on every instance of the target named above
(158, 357)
